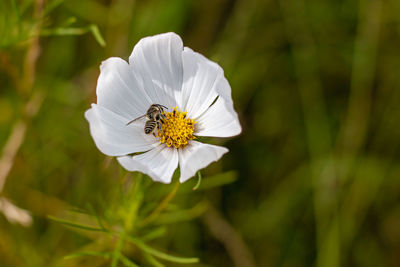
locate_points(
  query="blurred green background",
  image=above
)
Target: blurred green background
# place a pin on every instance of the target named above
(313, 180)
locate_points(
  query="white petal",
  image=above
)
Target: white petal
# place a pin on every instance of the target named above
(196, 156)
(158, 163)
(158, 61)
(120, 90)
(113, 137)
(203, 81)
(220, 120)
(199, 79)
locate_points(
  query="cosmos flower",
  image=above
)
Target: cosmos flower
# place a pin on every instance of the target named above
(195, 93)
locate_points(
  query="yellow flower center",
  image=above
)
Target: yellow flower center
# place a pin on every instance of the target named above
(177, 129)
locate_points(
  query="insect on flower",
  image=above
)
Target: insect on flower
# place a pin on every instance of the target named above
(154, 115)
(157, 104)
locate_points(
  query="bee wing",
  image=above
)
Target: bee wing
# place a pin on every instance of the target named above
(138, 118)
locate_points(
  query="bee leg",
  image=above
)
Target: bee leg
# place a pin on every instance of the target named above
(162, 106)
(154, 131)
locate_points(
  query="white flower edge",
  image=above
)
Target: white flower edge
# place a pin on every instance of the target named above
(161, 162)
(204, 82)
(196, 156)
(158, 163)
(113, 137)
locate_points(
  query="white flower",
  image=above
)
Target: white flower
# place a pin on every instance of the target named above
(162, 71)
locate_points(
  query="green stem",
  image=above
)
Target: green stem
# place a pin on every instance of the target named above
(117, 250)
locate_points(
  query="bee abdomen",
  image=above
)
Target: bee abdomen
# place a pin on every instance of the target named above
(149, 126)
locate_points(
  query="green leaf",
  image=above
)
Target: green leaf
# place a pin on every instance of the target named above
(17, 14)
(106, 255)
(51, 6)
(152, 261)
(154, 234)
(198, 181)
(219, 180)
(97, 35)
(211, 182)
(182, 215)
(160, 254)
(126, 261)
(65, 31)
(76, 225)
(69, 21)
(62, 31)
(95, 214)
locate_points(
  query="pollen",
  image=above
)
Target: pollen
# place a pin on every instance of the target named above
(176, 129)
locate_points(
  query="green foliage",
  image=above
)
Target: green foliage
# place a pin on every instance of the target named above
(24, 23)
(127, 222)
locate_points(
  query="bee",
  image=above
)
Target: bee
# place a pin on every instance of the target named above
(154, 116)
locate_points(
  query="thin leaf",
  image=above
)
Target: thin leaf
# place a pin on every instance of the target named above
(160, 207)
(117, 251)
(158, 232)
(17, 15)
(198, 181)
(160, 254)
(51, 6)
(76, 225)
(69, 21)
(93, 211)
(65, 31)
(24, 6)
(182, 215)
(106, 255)
(212, 181)
(97, 35)
(126, 261)
(219, 180)
(78, 210)
(152, 261)
(62, 31)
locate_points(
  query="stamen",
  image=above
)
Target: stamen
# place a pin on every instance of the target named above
(177, 129)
